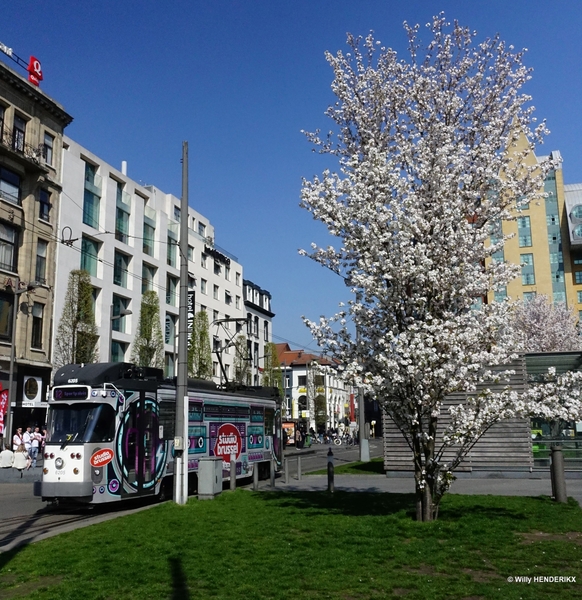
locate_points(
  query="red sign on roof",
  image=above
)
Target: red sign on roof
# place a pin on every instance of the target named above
(34, 71)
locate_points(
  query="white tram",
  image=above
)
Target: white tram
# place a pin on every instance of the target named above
(110, 432)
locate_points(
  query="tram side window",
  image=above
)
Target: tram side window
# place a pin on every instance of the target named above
(168, 419)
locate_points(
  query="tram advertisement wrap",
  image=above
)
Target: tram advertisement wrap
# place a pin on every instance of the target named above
(227, 439)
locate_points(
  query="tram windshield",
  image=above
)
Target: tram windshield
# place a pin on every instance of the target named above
(82, 422)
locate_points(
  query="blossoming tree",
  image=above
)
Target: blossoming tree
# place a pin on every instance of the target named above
(431, 154)
(542, 326)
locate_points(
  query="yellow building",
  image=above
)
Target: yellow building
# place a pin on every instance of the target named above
(547, 243)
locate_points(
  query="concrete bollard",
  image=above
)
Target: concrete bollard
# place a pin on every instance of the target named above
(286, 467)
(298, 468)
(232, 472)
(330, 472)
(557, 475)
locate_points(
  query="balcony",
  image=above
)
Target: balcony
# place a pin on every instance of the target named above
(93, 183)
(34, 154)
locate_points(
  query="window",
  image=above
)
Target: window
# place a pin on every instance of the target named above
(89, 254)
(44, 201)
(147, 277)
(227, 324)
(302, 380)
(528, 296)
(170, 332)
(91, 199)
(266, 330)
(204, 260)
(201, 229)
(237, 301)
(119, 305)
(237, 279)
(41, 252)
(214, 368)
(47, 149)
(8, 245)
(203, 284)
(1, 121)
(579, 297)
(6, 304)
(524, 231)
(217, 268)
(18, 134)
(227, 298)
(9, 186)
(190, 253)
(121, 225)
(214, 315)
(527, 270)
(37, 318)
(148, 239)
(172, 284)
(91, 209)
(215, 292)
(578, 277)
(118, 350)
(227, 272)
(120, 269)
(256, 327)
(171, 253)
(176, 213)
(249, 324)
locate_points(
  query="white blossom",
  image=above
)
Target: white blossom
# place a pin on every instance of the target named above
(429, 163)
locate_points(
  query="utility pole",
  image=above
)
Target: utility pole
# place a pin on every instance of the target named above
(181, 441)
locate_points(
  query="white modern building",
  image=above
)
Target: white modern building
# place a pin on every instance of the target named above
(126, 236)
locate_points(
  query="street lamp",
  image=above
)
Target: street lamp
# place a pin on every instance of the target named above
(122, 313)
(11, 396)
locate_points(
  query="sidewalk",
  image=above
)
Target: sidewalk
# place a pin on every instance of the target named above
(10, 475)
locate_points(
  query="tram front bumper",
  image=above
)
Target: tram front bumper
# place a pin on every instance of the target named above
(48, 489)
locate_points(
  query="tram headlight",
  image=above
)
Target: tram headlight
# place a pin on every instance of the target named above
(52, 455)
(76, 471)
(59, 463)
(72, 455)
(78, 456)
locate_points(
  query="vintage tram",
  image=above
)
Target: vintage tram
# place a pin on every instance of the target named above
(110, 432)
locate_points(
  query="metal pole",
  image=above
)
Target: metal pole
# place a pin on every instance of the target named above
(364, 444)
(181, 456)
(558, 477)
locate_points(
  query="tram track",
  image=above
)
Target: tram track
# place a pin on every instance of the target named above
(21, 530)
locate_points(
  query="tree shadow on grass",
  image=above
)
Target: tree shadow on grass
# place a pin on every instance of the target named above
(347, 503)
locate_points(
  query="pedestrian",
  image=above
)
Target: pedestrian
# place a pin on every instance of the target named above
(21, 459)
(27, 439)
(17, 439)
(35, 445)
(6, 458)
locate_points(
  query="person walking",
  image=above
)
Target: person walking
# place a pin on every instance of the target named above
(35, 445)
(27, 439)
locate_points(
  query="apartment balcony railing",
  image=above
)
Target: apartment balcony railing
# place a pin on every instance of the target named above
(94, 183)
(16, 143)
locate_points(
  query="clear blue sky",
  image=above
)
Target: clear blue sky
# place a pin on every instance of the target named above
(238, 80)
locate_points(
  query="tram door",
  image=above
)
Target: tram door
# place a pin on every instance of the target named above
(139, 441)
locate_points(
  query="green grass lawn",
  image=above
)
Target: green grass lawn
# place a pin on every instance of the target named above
(372, 467)
(309, 545)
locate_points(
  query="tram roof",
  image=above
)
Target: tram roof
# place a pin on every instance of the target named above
(99, 373)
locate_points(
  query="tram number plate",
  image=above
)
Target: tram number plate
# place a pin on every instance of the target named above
(62, 472)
